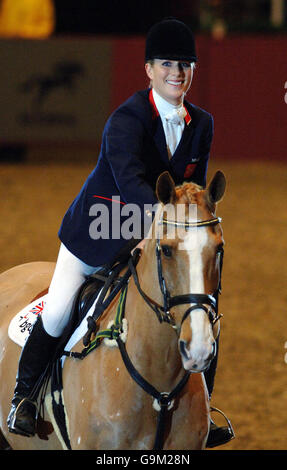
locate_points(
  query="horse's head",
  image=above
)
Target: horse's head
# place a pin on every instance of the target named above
(189, 247)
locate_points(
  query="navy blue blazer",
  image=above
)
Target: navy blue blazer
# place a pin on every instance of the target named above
(133, 154)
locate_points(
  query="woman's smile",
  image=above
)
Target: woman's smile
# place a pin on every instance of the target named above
(175, 83)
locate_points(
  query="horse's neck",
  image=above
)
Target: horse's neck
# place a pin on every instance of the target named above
(153, 346)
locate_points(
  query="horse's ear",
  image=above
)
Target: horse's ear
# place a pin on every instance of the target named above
(216, 188)
(165, 188)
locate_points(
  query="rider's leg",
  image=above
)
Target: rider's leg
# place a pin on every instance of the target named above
(40, 346)
(70, 273)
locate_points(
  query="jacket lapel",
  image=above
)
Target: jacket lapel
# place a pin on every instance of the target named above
(158, 132)
(160, 141)
(185, 141)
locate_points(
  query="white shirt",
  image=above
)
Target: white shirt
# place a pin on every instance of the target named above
(173, 127)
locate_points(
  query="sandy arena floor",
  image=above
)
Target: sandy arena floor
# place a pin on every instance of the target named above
(251, 383)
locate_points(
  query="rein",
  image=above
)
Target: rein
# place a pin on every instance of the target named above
(163, 399)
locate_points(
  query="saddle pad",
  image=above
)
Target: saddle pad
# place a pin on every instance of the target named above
(21, 325)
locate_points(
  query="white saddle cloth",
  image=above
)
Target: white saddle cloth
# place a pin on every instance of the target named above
(21, 325)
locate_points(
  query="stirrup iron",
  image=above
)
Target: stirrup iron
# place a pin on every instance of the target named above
(229, 425)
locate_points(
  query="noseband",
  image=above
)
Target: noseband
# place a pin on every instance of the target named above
(199, 300)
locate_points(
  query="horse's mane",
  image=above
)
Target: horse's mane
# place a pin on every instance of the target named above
(188, 193)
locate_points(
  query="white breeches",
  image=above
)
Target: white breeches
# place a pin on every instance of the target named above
(69, 274)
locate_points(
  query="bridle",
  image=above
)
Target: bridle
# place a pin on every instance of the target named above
(199, 300)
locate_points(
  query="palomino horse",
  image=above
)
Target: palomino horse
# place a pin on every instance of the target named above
(170, 328)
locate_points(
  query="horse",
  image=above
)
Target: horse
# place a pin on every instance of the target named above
(146, 389)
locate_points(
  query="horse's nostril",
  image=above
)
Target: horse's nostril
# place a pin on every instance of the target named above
(183, 349)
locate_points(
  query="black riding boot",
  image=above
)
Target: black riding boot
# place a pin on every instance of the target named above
(217, 435)
(35, 357)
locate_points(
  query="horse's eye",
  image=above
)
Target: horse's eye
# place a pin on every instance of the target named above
(167, 251)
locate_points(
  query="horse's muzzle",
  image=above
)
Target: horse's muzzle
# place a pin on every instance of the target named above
(198, 361)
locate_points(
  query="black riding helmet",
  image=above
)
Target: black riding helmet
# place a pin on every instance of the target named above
(170, 39)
